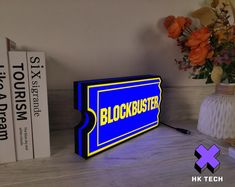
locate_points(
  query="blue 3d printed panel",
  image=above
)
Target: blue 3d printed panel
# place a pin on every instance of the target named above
(115, 110)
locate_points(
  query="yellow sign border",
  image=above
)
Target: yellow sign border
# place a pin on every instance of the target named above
(92, 111)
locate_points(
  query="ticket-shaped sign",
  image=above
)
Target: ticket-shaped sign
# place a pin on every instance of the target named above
(115, 110)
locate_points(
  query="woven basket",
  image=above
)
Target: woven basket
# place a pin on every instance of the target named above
(225, 89)
(217, 113)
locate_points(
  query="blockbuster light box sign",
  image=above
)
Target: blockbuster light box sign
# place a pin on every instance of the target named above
(115, 110)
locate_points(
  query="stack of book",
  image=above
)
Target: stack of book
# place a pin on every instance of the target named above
(24, 121)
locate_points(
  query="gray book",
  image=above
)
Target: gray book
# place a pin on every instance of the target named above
(39, 104)
(7, 141)
(20, 104)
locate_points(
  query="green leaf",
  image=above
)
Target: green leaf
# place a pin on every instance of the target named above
(209, 80)
(201, 75)
(209, 65)
(224, 76)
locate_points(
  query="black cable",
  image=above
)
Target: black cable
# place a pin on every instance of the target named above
(184, 131)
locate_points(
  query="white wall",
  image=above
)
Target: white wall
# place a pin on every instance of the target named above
(86, 39)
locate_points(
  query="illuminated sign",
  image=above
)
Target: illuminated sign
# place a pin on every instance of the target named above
(115, 110)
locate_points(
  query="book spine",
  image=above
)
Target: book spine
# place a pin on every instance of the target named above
(21, 105)
(39, 104)
(7, 140)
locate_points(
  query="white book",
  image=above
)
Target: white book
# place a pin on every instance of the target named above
(7, 140)
(21, 105)
(39, 104)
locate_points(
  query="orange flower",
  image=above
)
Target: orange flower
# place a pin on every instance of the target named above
(184, 21)
(174, 30)
(197, 56)
(168, 21)
(175, 26)
(199, 37)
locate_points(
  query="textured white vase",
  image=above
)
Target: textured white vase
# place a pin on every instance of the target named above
(217, 116)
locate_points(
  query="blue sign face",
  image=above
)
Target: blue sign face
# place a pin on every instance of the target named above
(115, 110)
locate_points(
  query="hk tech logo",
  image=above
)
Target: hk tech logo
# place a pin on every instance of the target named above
(207, 159)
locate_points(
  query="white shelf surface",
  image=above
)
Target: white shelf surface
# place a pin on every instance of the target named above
(161, 157)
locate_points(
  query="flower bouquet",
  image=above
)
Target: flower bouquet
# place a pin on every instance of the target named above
(208, 48)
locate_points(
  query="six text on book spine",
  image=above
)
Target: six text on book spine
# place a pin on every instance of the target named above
(39, 104)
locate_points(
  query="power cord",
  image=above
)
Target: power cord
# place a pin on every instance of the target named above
(184, 131)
